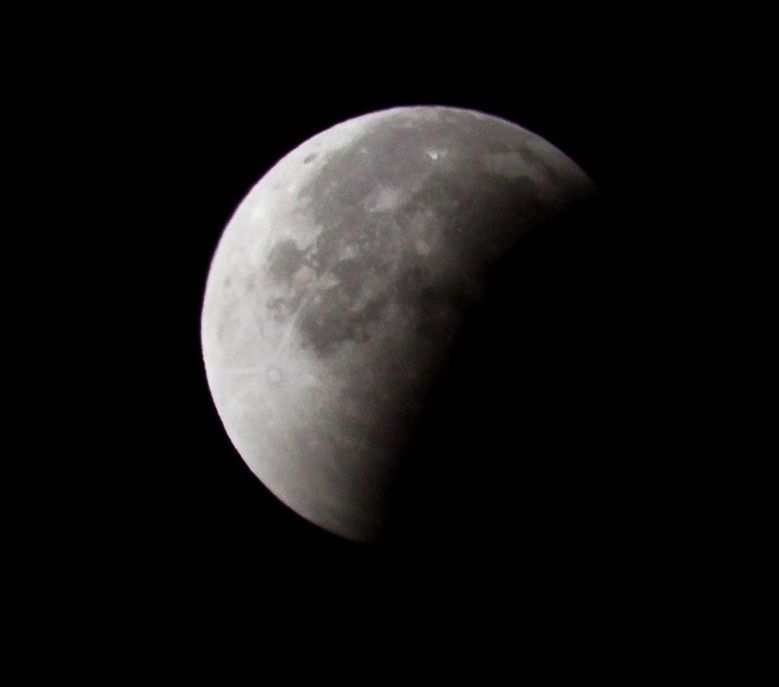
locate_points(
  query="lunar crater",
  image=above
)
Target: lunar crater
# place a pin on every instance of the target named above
(274, 375)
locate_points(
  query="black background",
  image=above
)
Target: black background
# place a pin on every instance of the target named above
(205, 137)
(575, 505)
(569, 478)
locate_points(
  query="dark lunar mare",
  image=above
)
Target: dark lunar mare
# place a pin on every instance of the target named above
(465, 192)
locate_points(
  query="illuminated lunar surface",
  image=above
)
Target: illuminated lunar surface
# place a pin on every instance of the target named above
(340, 283)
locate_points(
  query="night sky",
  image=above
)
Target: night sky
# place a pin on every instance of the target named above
(574, 498)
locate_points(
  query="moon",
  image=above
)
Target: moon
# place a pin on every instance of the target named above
(341, 283)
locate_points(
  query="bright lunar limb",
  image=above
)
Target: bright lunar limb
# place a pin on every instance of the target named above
(340, 283)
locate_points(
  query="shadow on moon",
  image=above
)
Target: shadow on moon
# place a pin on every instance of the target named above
(518, 440)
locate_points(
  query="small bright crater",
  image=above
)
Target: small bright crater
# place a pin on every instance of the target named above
(274, 374)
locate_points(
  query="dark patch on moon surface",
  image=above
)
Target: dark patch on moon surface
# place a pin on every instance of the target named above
(284, 260)
(325, 325)
(449, 204)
